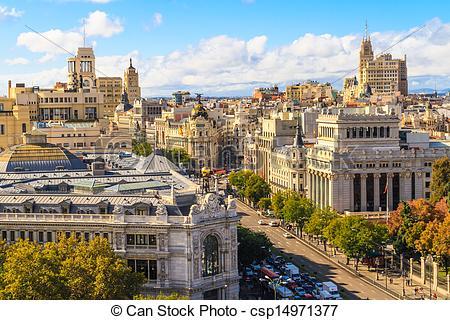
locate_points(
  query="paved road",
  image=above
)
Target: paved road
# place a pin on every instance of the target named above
(311, 261)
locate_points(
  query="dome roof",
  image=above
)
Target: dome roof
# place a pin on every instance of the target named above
(38, 157)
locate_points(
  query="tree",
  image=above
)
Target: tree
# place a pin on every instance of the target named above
(256, 188)
(427, 237)
(264, 203)
(161, 296)
(440, 179)
(319, 220)
(356, 236)
(177, 156)
(278, 200)
(252, 246)
(441, 243)
(67, 269)
(141, 148)
(298, 210)
(239, 180)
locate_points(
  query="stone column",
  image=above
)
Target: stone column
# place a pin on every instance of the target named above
(322, 191)
(352, 192)
(405, 185)
(376, 191)
(317, 187)
(363, 192)
(390, 191)
(419, 185)
(423, 270)
(435, 275)
(327, 191)
(411, 272)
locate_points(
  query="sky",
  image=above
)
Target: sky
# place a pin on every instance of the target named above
(221, 48)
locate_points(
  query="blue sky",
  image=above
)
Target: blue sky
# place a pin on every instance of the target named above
(222, 47)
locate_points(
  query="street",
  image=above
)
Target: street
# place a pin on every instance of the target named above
(311, 261)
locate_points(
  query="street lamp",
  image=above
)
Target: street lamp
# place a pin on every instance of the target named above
(275, 283)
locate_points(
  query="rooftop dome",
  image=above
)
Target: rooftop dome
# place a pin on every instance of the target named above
(38, 155)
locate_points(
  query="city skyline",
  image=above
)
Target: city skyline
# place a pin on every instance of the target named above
(230, 57)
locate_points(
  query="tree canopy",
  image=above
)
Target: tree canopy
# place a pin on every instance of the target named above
(440, 179)
(297, 210)
(141, 148)
(249, 185)
(67, 269)
(252, 245)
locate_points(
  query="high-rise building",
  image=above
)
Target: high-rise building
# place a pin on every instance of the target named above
(384, 75)
(131, 83)
(81, 70)
(112, 89)
(310, 92)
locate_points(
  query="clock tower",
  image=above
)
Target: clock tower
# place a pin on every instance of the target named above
(81, 70)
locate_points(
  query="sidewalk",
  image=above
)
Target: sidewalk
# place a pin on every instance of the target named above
(396, 285)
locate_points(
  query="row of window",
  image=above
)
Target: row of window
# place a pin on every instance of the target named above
(141, 240)
(67, 100)
(47, 236)
(368, 132)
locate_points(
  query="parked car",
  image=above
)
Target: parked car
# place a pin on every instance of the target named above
(274, 223)
(300, 291)
(287, 235)
(262, 222)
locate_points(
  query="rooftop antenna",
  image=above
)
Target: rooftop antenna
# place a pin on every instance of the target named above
(367, 31)
(84, 33)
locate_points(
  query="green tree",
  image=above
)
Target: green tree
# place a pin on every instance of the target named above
(297, 210)
(356, 236)
(67, 269)
(239, 180)
(319, 220)
(177, 156)
(440, 179)
(252, 246)
(264, 203)
(256, 188)
(141, 148)
(278, 200)
(161, 296)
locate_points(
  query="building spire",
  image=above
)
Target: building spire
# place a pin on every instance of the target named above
(298, 140)
(366, 31)
(131, 63)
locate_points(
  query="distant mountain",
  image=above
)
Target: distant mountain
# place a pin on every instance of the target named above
(429, 90)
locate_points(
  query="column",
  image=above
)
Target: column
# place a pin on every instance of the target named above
(316, 176)
(405, 186)
(352, 192)
(435, 276)
(325, 203)
(376, 191)
(422, 270)
(322, 191)
(390, 191)
(363, 192)
(419, 185)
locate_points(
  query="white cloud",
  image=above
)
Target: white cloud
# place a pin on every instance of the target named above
(16, 61)
(69, 40)
(227, 65)
(99, 24)
(6, 12)
(157, 19)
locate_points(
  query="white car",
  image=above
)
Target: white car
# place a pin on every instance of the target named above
(274, 223)
(262, 222)
(287, 235)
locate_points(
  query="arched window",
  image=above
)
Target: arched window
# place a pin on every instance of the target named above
(210, 256)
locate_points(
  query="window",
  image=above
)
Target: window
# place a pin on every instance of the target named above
(141, 212)
(382, 132)
(49, 237)
(2, 129)
(41, 237)
(375, 132)
(210, 256)
(4, 235)
(22, 235)
(12, 236)
(68, 234)
(31, 236)
(86, 236)
(427, 184)
(130, 239)
(24, 127)
(427, 174)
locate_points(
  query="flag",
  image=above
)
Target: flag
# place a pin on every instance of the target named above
(385, 188)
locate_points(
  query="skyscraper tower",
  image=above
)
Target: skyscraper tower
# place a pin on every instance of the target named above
(131, 83)
(365, 54)
(81, 70)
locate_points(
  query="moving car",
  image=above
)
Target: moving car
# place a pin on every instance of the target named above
(274, 223)
(287, 235)
(262, 222)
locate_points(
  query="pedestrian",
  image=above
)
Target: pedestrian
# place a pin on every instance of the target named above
(415, 291)
(434, 296)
